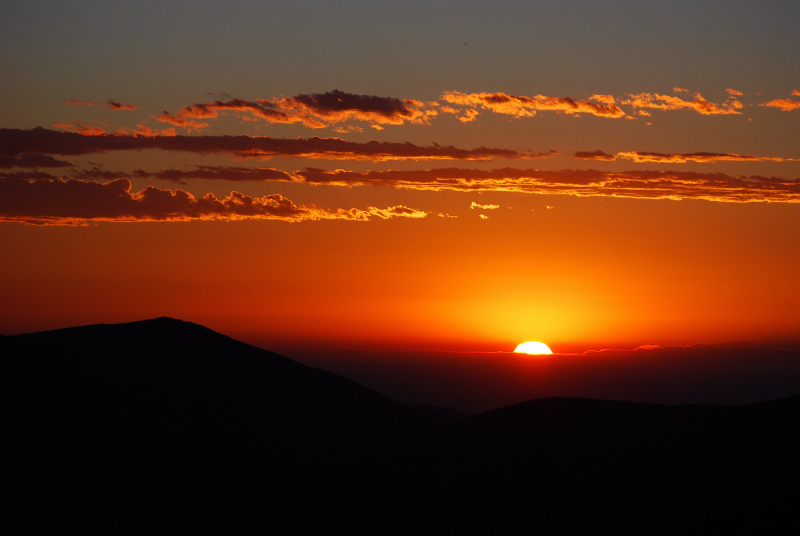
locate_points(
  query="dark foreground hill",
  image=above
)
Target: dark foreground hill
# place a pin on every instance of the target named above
(164, 393)
(166, 425)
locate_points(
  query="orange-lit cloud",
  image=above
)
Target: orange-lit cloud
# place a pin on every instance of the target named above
(605, 99)
(80, 127)
(786, 105)
(629, 184)
(261, 109)
(669, 102)
(677, 158)
(733, 93)
(14, 142)
(73, 202)
(521, 106)
(183, 122)
(110, 104)
(316, 110)
(485, 207)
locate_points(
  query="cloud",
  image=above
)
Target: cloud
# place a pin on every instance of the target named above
(521, 106)
(226, 173)
(668, 102)
(80, 127)
(316, 110)
(74, 202)
(677, 158)
(349, 128)
(702, 157)
(733, 93)
(260, 109)
(27, 175)
(114, 105)
(110, 104)
(32, 160)
(627, 184)
(14, 142)
(178, 121)
(485, 207)
(785, 105)
(605, 99)
(594, 155)
(337, 106)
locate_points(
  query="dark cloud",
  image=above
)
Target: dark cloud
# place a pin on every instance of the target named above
(75, 202)
(114, 105)
(336, 106)
(15, 142)
(225, 173)
(32, 160)
(28, 175)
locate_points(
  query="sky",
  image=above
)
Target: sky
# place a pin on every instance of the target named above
(451, 175)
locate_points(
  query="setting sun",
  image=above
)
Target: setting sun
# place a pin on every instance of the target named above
(533, 348)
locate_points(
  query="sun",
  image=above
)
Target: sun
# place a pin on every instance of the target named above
(533, 348)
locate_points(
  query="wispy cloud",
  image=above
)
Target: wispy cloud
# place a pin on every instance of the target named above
(110, 104)
(14, 142)
(669, 102)
(628, 184)
(74, 202)
(484, 207)
(786, 105)
(595, 155)
(677, 158)
(80, 127)
(522, 106)
(261, 109)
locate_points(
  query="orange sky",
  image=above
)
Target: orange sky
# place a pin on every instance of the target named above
(469, 194)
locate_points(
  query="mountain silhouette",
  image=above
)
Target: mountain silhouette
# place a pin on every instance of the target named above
(102, 423)
(167, 393)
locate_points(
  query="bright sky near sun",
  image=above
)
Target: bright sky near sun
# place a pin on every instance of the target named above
(437, 173)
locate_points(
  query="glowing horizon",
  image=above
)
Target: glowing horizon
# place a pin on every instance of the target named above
(378, 175)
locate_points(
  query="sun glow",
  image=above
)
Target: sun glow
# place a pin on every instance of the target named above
(533, 348)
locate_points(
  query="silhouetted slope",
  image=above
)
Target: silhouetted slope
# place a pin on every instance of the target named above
(590, 434)
(168, 393)
(199, 430)
(583, 466)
